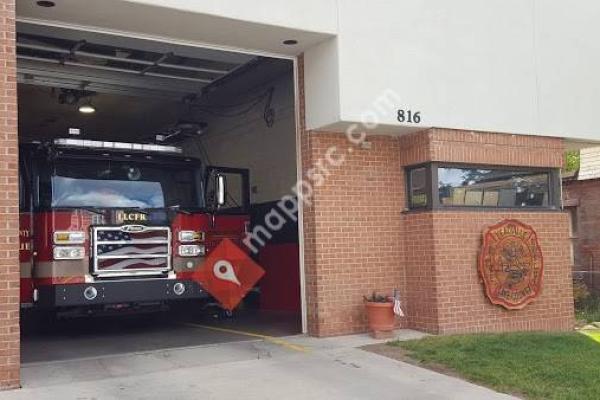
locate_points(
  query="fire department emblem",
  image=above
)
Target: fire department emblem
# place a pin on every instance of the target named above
(511, 264)
(228, 273)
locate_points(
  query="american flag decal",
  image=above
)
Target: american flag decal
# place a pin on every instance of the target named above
(117, 250)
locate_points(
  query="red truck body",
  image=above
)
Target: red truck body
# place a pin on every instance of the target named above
(92, 248)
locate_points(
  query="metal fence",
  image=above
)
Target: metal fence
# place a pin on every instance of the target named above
(586, 287)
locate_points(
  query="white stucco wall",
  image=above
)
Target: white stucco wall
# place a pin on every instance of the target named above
(322, 95)
(519, 66)
(257, 26)
(568, 61)
(310, 15)
(461, 63)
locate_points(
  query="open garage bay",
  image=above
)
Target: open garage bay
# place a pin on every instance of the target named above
(84, 338)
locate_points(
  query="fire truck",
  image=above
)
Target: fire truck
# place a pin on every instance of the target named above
(120, 225)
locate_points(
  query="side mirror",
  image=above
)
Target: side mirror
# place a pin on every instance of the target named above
(220, 189)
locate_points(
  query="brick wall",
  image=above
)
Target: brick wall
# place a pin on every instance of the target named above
(481, 147)
(9, 250)
(462, 304)
(359, 237)
(420, 294)
(345, 256)
(308, 215)
(585, 197)
(444, 283)
(356, 232)
(362, 239)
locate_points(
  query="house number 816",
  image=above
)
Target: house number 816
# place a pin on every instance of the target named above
(409, 116)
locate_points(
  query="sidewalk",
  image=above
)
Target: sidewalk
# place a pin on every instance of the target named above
(296, 367)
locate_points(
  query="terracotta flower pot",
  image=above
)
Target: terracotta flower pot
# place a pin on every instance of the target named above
(381, 317)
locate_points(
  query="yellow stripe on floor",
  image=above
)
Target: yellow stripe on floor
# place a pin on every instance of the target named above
(271, 339)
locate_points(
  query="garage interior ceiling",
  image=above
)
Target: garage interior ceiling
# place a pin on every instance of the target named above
(117, 65)
(117, 117)
(139, 88)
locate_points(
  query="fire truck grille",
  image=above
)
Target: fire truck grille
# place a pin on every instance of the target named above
(128, 250)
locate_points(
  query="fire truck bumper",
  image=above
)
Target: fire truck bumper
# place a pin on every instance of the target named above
(114, 292)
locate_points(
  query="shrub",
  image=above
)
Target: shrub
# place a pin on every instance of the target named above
(587, 305)
(572, 160)
(377, 298)
(580, 291)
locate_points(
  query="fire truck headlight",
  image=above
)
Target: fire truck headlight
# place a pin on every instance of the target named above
(69, 253)
(69, 237)
(191, 250)
(90, 293)
(179, 288)
(190, 236)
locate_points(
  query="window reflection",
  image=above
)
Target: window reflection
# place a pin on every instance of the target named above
(69, 192)
(121, 184)
(492, 187)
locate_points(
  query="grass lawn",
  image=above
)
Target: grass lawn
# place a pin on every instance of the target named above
(533, 365)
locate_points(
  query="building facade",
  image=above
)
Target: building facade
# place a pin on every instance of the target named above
(369, 240)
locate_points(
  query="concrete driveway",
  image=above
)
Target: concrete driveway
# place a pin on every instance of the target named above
(294, 367)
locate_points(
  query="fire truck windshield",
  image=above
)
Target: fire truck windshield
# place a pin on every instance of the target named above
(123, 184)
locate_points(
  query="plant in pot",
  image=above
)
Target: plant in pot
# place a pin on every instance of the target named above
(380, 315)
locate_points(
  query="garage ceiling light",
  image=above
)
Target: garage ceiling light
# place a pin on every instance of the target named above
(87, 108)
(46, 4)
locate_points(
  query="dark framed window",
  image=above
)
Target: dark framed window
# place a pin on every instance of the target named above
(419, 184)
(482, 186)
